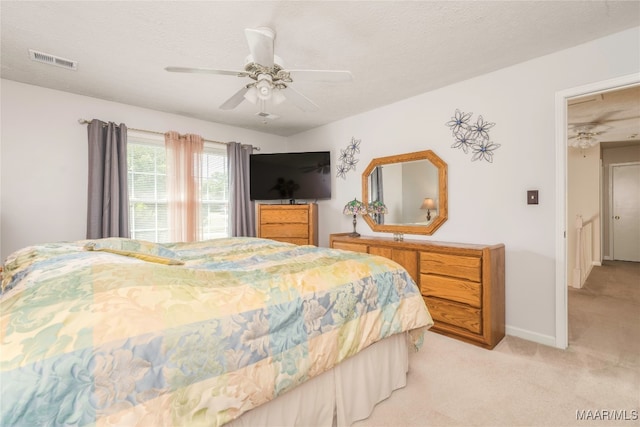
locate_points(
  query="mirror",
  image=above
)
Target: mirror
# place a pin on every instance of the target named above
(404, 183)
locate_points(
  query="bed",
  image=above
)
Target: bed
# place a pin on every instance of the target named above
(238, 331)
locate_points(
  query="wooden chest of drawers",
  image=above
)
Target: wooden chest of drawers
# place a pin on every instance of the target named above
(462, 285)
(288, 223)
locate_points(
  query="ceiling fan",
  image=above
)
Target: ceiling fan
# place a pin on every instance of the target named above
(585, 134)
(270, 81)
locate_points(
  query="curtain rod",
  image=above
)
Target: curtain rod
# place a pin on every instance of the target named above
(86, 122)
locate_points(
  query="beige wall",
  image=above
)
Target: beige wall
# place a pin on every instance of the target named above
(583, 198)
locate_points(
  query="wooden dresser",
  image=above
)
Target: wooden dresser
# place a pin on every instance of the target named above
(462, 284)
(288, 223)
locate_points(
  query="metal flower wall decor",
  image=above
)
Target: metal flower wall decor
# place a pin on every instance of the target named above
(347, 158)
(472, 137)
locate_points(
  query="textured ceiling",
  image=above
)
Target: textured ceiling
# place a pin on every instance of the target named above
(394, 49)
(613, 115)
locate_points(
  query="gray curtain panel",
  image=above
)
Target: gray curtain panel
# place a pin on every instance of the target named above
(241, 209)
(108, 206)
(377, 191)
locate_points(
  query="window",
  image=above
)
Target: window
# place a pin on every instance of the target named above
(214, 193)
(147, 178)
(147, 175)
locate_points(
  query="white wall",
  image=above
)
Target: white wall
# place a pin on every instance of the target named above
(487, 202)
(419, 179)
(43, 158)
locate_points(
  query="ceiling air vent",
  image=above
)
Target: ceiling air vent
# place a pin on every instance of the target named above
(46, 58)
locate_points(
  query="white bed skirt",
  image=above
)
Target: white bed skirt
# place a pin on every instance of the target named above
(341, 396)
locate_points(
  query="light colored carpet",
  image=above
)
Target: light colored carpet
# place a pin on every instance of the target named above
(521, 383)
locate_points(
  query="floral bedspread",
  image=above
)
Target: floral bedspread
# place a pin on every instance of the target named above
(125, 332)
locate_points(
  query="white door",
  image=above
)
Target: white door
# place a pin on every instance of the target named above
(625, 213)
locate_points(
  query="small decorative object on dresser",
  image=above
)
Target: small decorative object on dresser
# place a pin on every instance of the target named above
(354, 207)
(462, 284)
(288, 223)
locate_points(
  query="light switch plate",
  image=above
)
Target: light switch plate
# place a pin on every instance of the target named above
(532, 197)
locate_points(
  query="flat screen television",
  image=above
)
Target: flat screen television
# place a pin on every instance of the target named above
(290, 176)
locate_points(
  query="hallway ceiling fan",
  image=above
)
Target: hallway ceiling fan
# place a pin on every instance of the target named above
(585, 134)
(271, 82)
(610, 118)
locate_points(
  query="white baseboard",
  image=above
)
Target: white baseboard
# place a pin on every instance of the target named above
(596, 264)
(531, 336)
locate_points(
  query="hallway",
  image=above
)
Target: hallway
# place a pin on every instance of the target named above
(604, 316)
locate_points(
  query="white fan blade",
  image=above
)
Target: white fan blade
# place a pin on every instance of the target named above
(235, 100)
(260, 42)
(320, 75)
(206, 71)
(299, 100)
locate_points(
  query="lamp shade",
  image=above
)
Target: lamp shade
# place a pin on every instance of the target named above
(428, 203)
(354, 207)
(377, 207)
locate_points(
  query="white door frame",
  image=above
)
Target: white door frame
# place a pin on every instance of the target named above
(562, 311)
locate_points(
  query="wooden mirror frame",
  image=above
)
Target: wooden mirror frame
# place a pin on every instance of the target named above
(442, 193)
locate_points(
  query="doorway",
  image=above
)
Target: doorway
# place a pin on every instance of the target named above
(563, 222)
(624, 221)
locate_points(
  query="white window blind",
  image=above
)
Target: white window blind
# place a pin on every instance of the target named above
(147, 168)
(214, 193)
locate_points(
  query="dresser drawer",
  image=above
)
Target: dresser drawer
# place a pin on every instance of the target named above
(406, 258)
(281, 216)
(456, 314)
(354, 247)
(296, 224)
(294, 240)
(270, 231)
(452, 289)
(464, 267)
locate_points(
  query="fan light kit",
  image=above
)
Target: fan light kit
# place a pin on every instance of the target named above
(585, 136)
(271, 82)
(583, 141)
